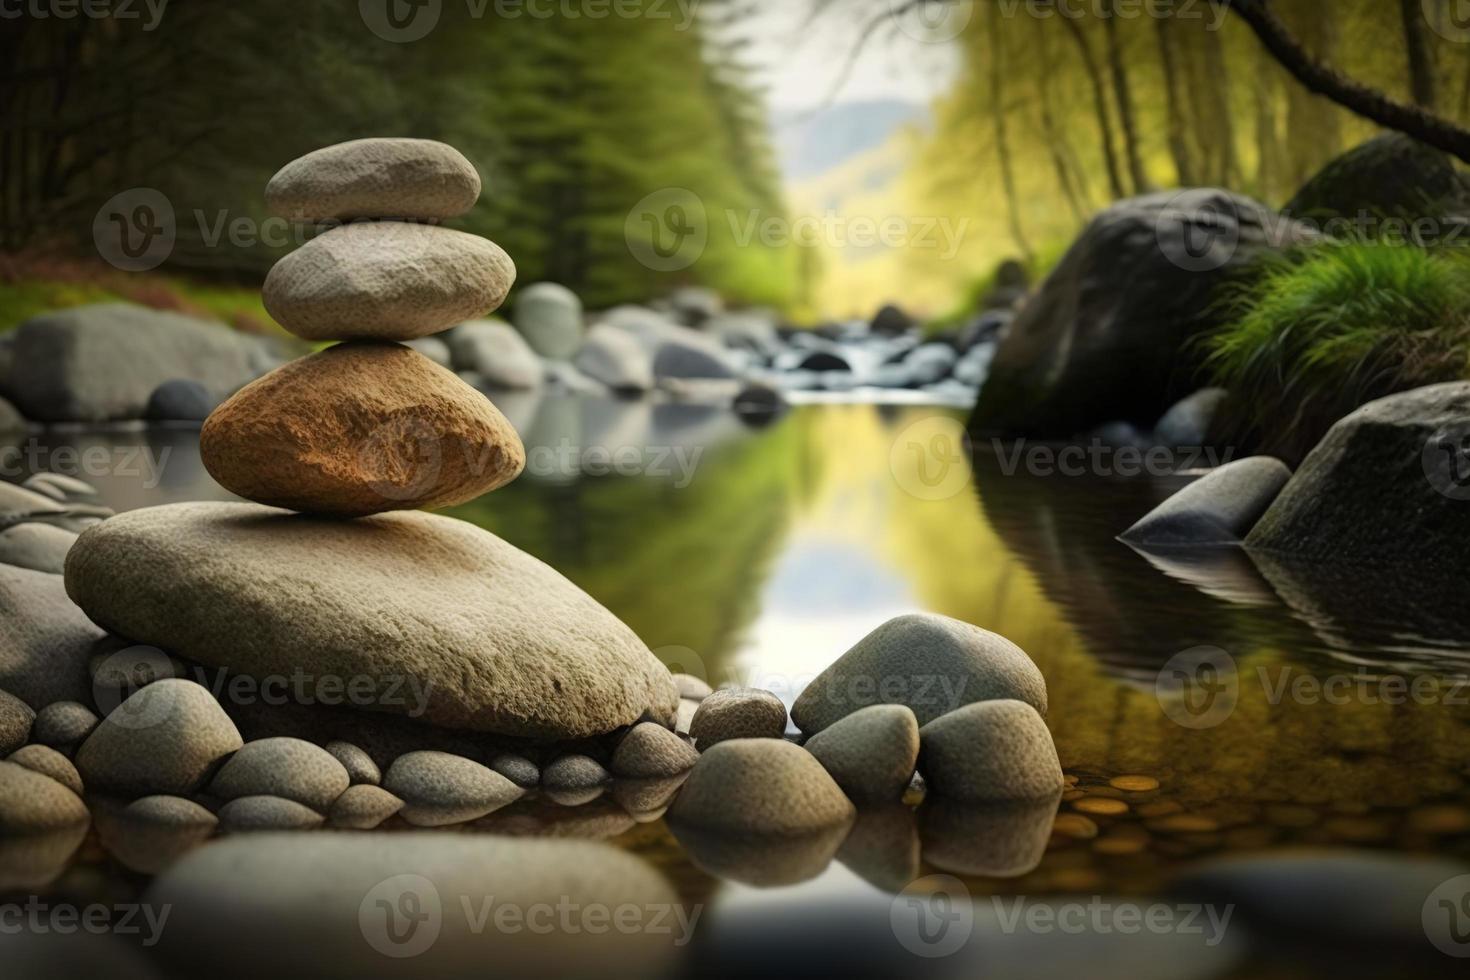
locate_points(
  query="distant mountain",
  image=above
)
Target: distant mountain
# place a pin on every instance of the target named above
(812, 143)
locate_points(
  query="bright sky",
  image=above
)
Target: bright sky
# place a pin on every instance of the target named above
(800, 65)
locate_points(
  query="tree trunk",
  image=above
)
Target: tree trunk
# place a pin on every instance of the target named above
(1123, 93)
(1002, 137)
(1367, 102)
(1421, 55)
(1221, 122)
(1178, 141)
(1268, 141)
(1100, 101)
(1056, 141)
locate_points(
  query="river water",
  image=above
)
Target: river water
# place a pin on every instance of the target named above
(1201, 707)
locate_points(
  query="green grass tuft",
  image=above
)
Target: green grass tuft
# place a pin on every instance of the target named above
(1331, 328)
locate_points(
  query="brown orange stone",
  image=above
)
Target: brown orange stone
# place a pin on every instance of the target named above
(1134, 784)
(1100, 805)
(358, 429)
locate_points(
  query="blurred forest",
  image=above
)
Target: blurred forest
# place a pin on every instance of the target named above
(572, 121)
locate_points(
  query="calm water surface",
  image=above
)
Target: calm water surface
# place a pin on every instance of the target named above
(758, 555)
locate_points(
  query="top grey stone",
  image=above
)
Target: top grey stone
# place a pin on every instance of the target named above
(375, 178)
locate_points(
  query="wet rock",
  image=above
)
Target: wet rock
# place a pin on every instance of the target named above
(737, 713)
(891, 321)
(153, 832)
(549, 316)
(46, 642)
(691, 687)
(31, 861)
(16, 721)
(497, 353)
(167, 738)
(63, 724)
(525, 652)
(40, 547)
(990, 751)
(932, 664)
(1389, 176)
(99, 363)
(518, 769)
(993, 840)
(615, 358)
(883, 847)
(49, 762)
(761, 860)
(390, 430)
(758, 404)
(1386, 487)
(929, 363)
(694, 306)
(573, 780)
(439, 789)
(284, 767)
(684, 354)
(651, 751)
(180, 400)
(32, 803)
(763, 786)
(10, 418)
(871, 753)
(1219, 508)
(255, 814)
(645, 800)
(375, 178)
(361, 769)
(386, 280)
(364, 807)
(319, 905)
(68, 487)
(24, 501)
(1187, 422)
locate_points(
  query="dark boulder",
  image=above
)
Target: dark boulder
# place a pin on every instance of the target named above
(891, 320)
(1392, 176)
(1110, 334)
(180, 400)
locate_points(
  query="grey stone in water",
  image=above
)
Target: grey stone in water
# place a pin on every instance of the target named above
(931, 362)
(255, 814)
(760, 786)
(284, 767)
(39, 547)
(20, 500)
(361, 769)
(63, 724)
(688, 355)
(991, 751)
(1119, 435)
(166, 738)
(68, 486)
(871, 753)
(46, 642)
(645, 800)
(651, 751)
(364, 807)
(97, 363)
(153, 832)
(518, 769)
(497, 353)
(883, 846)
(180, 400)
(49, 762)
(322, 905)
(737, 713)
(615, 358)
(574, 779)
(434, 348)
(519, 650)
(16, 720)
(32, 803)
(691, 687)
(1387, 487)
(1219, 508)
(1187, 423)
(375, 178)
(386, 280)
(549, 316)
(992, 840)
(1110, 334)
(694, 306)
(932, 664)
(439, 789)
